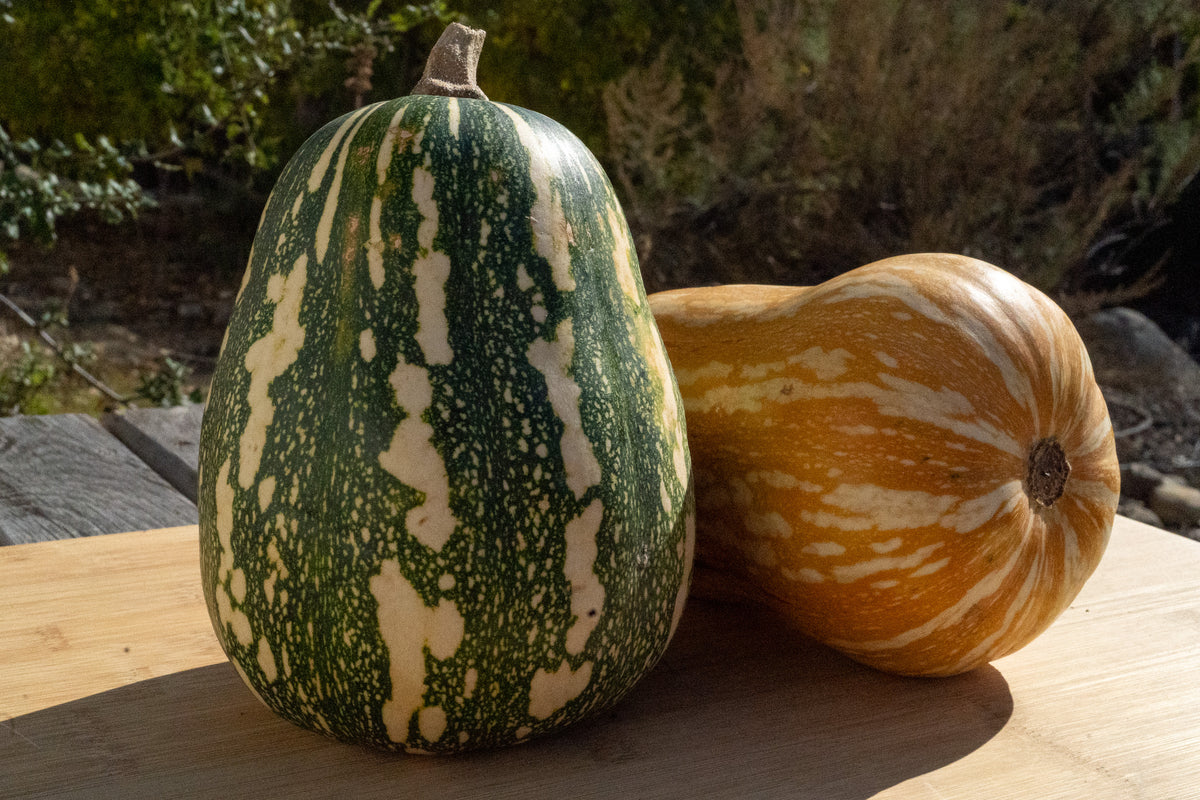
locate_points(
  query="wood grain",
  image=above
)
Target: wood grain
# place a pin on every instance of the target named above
(64, 476)
(112, 684)
(166, 439)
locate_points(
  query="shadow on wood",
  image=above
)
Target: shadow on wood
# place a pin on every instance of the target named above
(766, 714)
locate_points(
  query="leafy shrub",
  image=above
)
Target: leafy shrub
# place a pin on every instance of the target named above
(170, 85)
(144, 90)
(40, 184)
(847, 131)
(34, 372)
(556, 58)
(26, 375)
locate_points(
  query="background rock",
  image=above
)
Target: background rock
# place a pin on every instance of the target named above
(1130, 352)
(1152, 387)
(1176, 504)
(1138, 480)
(1136, 509)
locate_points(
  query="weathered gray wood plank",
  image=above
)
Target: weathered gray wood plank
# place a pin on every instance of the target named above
(167, 439)
(63, 476)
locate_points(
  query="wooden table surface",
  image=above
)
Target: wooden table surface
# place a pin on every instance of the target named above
(69, 475)
(112, 685)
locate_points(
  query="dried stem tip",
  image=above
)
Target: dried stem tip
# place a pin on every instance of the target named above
(1048, 471)
(450, 70)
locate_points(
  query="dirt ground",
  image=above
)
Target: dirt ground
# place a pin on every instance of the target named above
(161, 286)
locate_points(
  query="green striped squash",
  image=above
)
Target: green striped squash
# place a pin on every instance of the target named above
(445, 496)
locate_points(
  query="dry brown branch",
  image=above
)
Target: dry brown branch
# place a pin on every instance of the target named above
(852, 130)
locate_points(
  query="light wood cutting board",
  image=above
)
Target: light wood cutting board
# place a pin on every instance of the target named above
(112, 685)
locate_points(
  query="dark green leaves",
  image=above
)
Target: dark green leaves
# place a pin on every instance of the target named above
(40, 184)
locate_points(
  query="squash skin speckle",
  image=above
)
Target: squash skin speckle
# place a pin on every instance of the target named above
(413, 536)
(863, 453)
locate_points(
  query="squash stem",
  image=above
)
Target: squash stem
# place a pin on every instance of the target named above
(450, 69)
(1048, 472)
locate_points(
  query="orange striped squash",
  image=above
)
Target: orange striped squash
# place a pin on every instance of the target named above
(912, 460)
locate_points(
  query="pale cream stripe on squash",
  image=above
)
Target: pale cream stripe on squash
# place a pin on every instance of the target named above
(824, 364)
(1014, 610)
(551, 690)
(895, 287)
(622, 248)
(553, 360)
(551, 232)
(229, 596)
(387, 147)
(266, 360)
(413, 460)
(656, 354)
(686, 551)
(409, 627)
(587, 593)
(325, 223)
(375, 244)
(430, 271)
(898, 398)
(230, 591)
(650, 344)
(453, 114)
(710, 371)
(867, 506)
(1096, 494)
(1095, 437)
(970, 515)
(949, 617)
(864, 507)
(411, 456)
(383, 162)
(366, 345)
(317, 176)
(917, 562)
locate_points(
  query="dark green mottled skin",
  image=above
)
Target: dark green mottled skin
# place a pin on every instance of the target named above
(335, 412)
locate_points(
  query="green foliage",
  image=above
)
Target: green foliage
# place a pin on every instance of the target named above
(752, 140)
(225, 64)
(41, 373)
(556, 58)
(179, 85)
(38, 185)
(136, 71)
(139, 89)
(166, 385)
(86, 67)
(219, 61)
(848, 131)
(24, 382)
(1155, 117)
(33, 373)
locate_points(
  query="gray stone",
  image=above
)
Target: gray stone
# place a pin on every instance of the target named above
(1176, 504)
(1136, 510)
(1189, 471)
(1130, 352)
(1139, 480)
